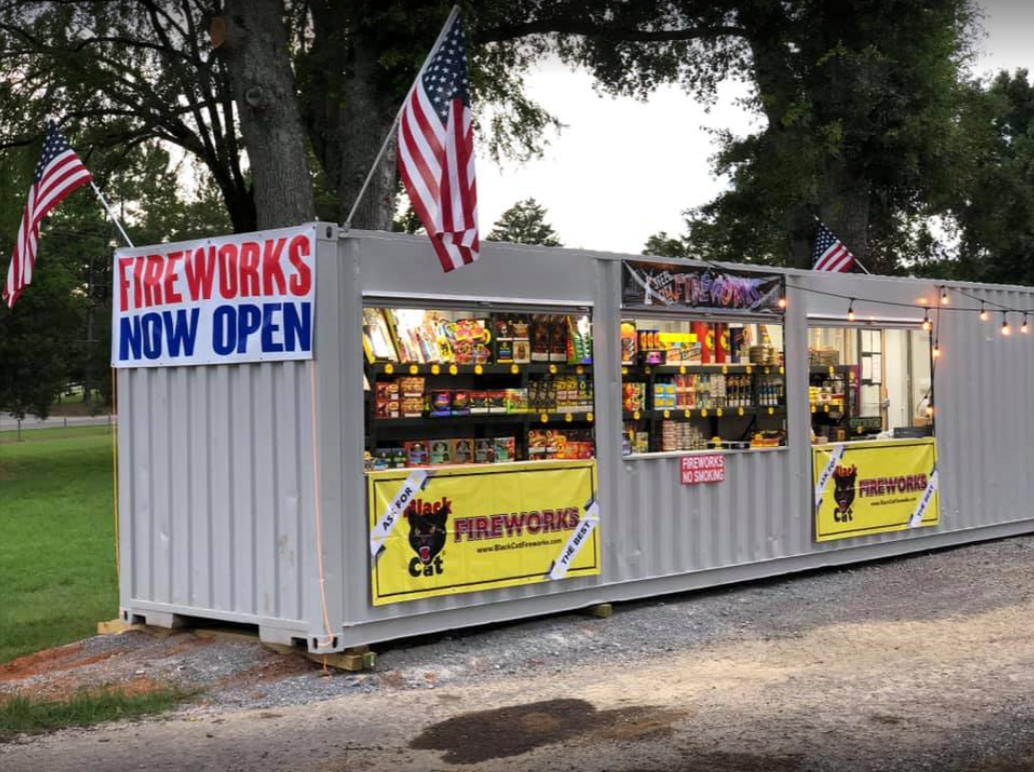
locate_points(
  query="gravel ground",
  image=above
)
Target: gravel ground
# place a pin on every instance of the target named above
(918, 663)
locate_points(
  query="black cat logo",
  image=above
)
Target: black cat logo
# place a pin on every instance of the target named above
(427, 535)
(844, 478)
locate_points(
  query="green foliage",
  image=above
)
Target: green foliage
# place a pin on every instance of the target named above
(57, 542)
(663, 245)
(525, 223)
(121, 73)
(994, 205)
(859, 99)
(37, 336)
(59, 329)
(407, 221)
(24, 715)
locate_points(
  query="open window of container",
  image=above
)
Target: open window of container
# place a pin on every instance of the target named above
(702, 360)
(870, 381)
(449, 384)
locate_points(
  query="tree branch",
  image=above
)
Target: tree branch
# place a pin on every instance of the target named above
(588, 29)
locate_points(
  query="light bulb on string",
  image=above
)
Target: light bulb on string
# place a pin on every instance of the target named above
(1025, 327)
(944, 296)
(782, 302)
(1006, 329)
(850, 312)
(983, 312)
(927, 324)
(936, 351)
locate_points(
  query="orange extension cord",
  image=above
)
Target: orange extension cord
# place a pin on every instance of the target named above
(316, 502)
(113, 417)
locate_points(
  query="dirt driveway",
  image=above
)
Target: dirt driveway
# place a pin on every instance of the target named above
(923, 663)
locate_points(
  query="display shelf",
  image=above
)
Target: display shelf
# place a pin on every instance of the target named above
(719, 369)
(706, 413)
(487, 418)
(834, 414)
(393, 369)
(476, 418)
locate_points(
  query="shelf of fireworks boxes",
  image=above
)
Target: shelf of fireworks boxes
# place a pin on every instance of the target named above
(542, 444)
(419, 341)
(443, 451)
(411, 397)
(411, 417)
(698, 344)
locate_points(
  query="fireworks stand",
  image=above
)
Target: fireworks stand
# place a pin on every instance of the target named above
(323, 435)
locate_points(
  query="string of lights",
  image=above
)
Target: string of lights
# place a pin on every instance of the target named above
(920, 303)
(932, 326)
(945, 305)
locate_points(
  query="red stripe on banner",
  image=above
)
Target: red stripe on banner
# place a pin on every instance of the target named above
(456, 178)
(820, 264)
(842, 258)
(448, 181)
(846, 265)
(463, 178)
(436, 164)
(56, 176)
(423, 139)
(56, 193)
(416, 160)
(57, 163)
(63, 176)
(416, 188)
(420, 208)
(829, 257)
(26, 253)
(428, 123)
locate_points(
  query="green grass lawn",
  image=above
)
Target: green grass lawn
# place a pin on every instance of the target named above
(57, 544)
(21, 714)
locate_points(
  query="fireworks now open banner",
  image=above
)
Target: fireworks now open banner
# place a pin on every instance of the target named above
(243, 298)
(873, 487)
(466, 529)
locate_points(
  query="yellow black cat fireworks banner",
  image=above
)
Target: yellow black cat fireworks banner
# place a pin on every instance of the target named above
(443, 531)
(874, 487)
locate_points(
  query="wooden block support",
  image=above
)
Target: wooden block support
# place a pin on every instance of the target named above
(116, 627)
(350, 660)
(600, 611)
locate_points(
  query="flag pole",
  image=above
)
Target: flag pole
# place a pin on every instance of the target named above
(111, 215)
(398, 116)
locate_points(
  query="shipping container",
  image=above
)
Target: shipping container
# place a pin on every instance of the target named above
(244, 493)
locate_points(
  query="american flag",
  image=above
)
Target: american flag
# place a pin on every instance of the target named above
(830, 254)
(57, 175)
(436, 151)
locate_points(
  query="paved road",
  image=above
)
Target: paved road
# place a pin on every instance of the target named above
(922, 664)
(9, 423)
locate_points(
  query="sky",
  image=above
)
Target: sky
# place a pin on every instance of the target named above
(622, 169)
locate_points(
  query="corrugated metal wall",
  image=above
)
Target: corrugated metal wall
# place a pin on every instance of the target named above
(217, 463)
(216, 488)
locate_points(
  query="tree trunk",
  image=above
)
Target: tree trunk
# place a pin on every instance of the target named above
(348, 111)
(844, 208)
(240, 204)
(264, 90)
(777, 90)
(363, 128)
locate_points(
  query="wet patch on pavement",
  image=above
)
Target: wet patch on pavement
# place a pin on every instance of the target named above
(471, 738)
